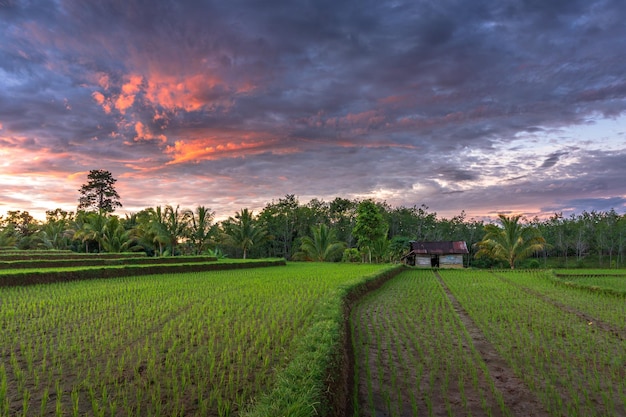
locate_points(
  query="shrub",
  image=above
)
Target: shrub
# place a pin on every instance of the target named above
(351, 255)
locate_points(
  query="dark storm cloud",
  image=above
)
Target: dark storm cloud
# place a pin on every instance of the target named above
(407, 99)
(552, 159)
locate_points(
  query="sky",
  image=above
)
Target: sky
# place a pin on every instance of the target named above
(482, 106)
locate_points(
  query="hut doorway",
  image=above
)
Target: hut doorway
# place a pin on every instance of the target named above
(434, 261)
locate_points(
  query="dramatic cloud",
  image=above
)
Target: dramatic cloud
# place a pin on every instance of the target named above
(485, 106)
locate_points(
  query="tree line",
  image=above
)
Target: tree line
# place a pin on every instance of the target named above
(349, 230)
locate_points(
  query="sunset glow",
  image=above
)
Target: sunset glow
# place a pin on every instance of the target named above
(503, 108)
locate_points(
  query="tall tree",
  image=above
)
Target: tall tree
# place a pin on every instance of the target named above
(512, 242)
(200, 228)
(370, 226)
(26, 230)
(22, 221)
(280, 221)
(99, 193)
(8, 237)
(342, 218)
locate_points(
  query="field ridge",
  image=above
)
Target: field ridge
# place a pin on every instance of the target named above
(590, 320)
(517, 397)
(119, 271)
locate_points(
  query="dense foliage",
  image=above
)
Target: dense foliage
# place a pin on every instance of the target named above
(282, 227)
(512, 242)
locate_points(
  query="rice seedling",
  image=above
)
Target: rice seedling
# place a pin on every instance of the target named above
(408, 333)
(170, 344)
(570, 365)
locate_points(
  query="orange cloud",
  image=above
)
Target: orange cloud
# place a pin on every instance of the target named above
(132, 85)
(144, 134)
(171, 93)
(208, 149)
(189, 94)
(129, 90)
(102, 101)
(124, 102)
(103, 80)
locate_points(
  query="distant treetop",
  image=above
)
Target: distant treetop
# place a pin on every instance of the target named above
(99, 193)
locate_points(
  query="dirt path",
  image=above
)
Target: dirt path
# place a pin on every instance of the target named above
(517, 396)
(400, 378)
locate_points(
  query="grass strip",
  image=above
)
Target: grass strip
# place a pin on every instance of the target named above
(28, 255)
(570, 281)
(85, 261)
(315, 382)
(75, 274)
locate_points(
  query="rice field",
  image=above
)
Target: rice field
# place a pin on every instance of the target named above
(231, 343)
(461, 342)
(600, 279)
(196, 344)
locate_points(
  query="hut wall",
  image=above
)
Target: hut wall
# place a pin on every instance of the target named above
(422, 261)
(451, 261)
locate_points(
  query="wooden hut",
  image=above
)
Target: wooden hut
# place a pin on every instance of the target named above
(446, 254)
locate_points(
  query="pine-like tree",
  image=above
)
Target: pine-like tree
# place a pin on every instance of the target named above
(99, 193)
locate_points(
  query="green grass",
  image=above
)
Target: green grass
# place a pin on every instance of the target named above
(574, 366)
(175, 344)
(617, 283)
(303, 387)
(95, 261)
(413, 350)
(609, 281)
(591, 272)
(31, 276)
(572, 262)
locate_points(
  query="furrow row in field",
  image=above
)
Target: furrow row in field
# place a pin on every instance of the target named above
(517, 396)
(574, 368)
(534, 285)
(174, 344)
(414, 356)
(610, 308)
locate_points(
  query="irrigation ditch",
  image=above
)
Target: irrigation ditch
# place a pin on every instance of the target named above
(341, 385)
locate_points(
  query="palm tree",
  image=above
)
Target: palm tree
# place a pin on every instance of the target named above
(176, 224)
(380, 249)
(512, 242)
(200, 228)
(322, 245)
(88, 227)
(56, 231)
(8, 238)
(116, 238)
(243, 231)
(152, 230)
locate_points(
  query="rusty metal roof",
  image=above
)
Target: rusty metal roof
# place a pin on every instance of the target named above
(439, 248)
